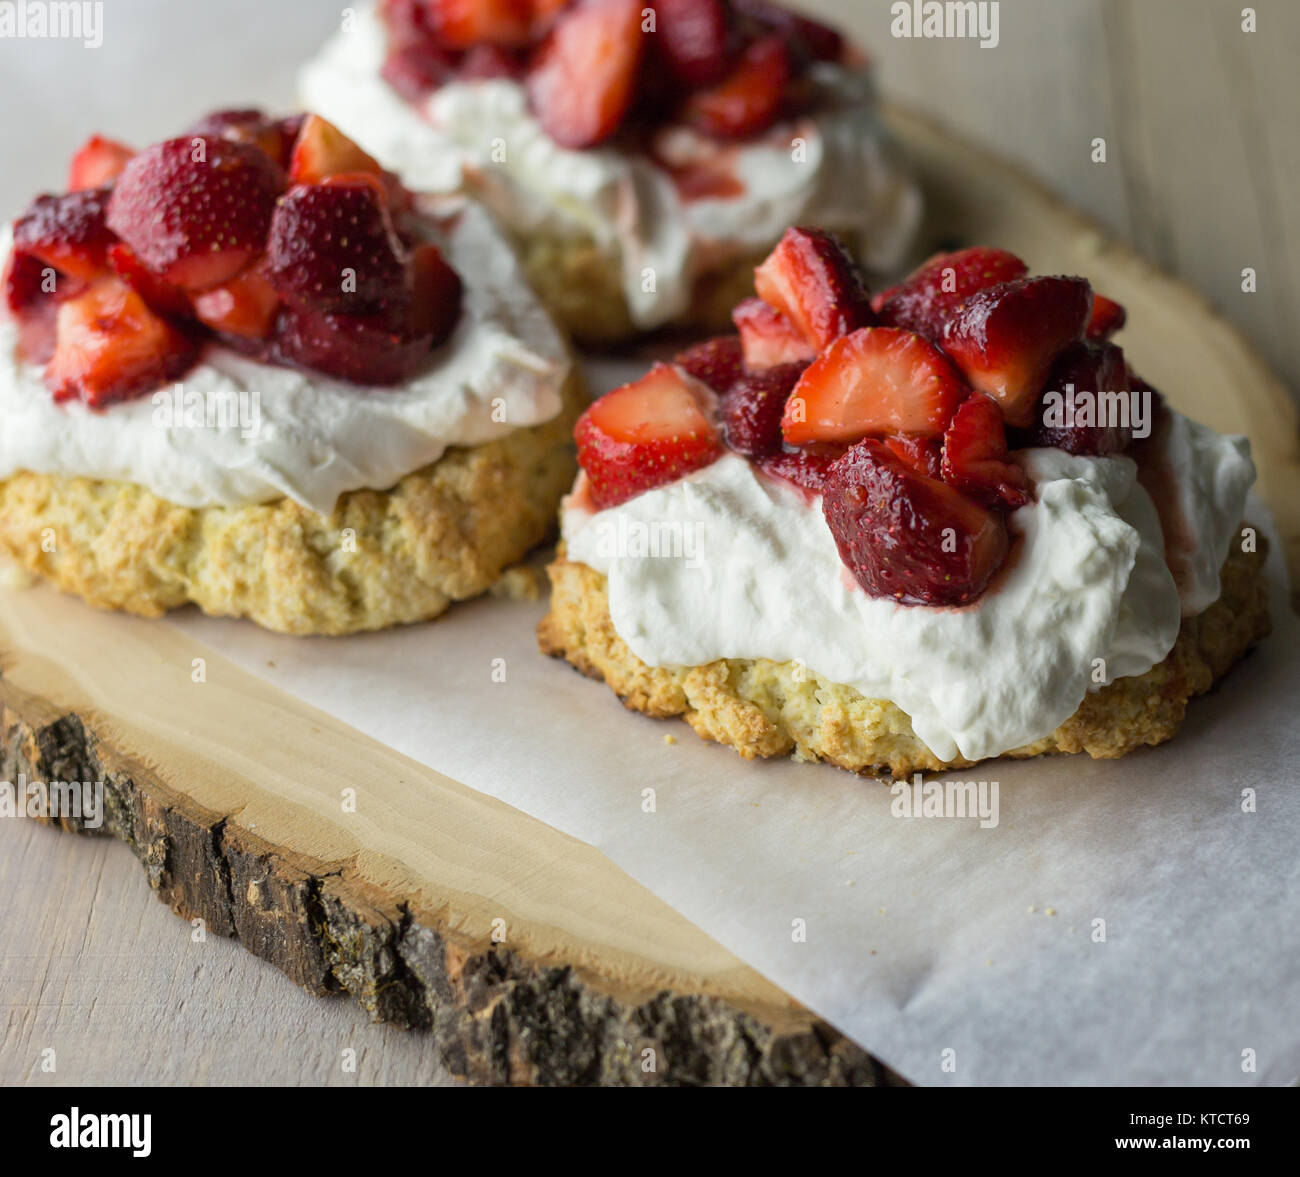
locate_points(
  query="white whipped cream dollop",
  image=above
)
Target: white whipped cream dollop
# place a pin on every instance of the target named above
(846, 173)
(757, 574)
(235, 431)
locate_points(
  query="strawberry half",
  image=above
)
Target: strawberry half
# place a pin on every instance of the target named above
(975, 458)
(752, 409)
(811, 279)
(582, 79)
(98, 163)
(906, 536)
(1107, 317)
(1005, 338)
(877, 380)
(767, 338)
(927, 298)
(645, 434)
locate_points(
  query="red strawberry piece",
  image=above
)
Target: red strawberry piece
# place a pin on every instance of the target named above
(751, 96)
(462, 24)
(67, 232)
(1107, 317)
(377, 349)
(322, 150)
(332, 247)
(195, 210)
(110, 346)
(1005, 338)
(1076, 414)
(927, 298)
(811, 279)
(975, 458)
(490, 61)
(751, 411)
(25, 280)
(767, 337)
(583, 77)
(414, 70)
(98, 163)
(645, 434)
(906, 536)
(808, 38)
(162, 296)
(436, 294)
(806, 466)
(715, 361)
(693, 39)
(923, 454)
(245, 306)
(274, 136)
(877, 380)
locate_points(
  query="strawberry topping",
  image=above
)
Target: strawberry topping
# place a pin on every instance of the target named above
(1107, 317)
(975, 458)
(811, 279)
(926, 300)
(768, 338)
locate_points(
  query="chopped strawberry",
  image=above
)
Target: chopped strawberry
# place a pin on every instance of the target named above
(809, 39)
(26, 280)
(274, 136)
(195, 210)
(436, 294)
(645, 434)
(1005, 338)
(583, 77)
(98, 163)
(322, 150)
(376, 349)
(245, 306)
(768, 338)
(878, 380)
(110, 346)
(67, 232)
(715, 361)
(1076, 414)
(751, 411)
(749, 99)
(490, 61)
(906, 536)
(462, 24)
(811, 279)
(414, 70)
(161, 296)
(1107, 317)
(806, 466)
(693, 38)
(926, 299)
(923, 454)
(333, 247)
(975, 458)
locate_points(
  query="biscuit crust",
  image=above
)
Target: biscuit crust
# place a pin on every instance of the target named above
(764, 708)
(383, 557)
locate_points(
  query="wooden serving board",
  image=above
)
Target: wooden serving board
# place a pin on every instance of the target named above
(527, 956)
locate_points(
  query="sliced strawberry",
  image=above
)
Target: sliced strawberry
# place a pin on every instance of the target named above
(906, 536)
(322, 150)
(274, 136)
(645, 434)
(110, 346)
(68, 232)
(922, 454)
(245, 306)
(806, 466)
(195, 210)
(1005, 338)
(462, 24)
(751, 411)
(376, 349)
(583, 77)
(1107, 317)
(98, 163)
(926, 299)
(878, 380)
(809, 39)
(693, 39)
(161, 296)
(751, 96)
(715, 361)
(25, 280)
(436, 294)
(768, 338)
(333, 247)
(414, 70)
(1076, 414)
(975, 458)
(811, 279)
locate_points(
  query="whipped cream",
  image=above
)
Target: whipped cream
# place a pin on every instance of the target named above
(311, 437)
(849, 175)
(1086, 597)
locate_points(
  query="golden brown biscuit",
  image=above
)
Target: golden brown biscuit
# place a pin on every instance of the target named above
(764, 708)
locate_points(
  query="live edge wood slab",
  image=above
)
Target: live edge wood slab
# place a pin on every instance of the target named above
(525, 955)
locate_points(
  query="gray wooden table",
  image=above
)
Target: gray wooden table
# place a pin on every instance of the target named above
(1203, 161)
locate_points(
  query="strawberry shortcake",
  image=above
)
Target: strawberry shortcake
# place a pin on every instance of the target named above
(644, 154)
(910, 532)
(245, 368)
